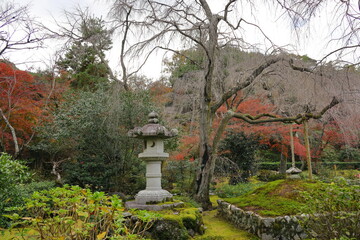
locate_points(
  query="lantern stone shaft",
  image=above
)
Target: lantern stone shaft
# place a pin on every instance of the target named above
(153, 135)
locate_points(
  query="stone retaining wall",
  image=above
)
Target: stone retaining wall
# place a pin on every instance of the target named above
(267, 228)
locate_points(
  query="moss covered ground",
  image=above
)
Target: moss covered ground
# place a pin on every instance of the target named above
(180, 214)
(217, 228)
(277, 198)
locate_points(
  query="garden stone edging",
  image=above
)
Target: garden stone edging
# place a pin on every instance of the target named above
(266, 228)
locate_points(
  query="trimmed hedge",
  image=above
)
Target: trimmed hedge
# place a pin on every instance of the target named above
(342, 165)
(339, 165)
(275, 165)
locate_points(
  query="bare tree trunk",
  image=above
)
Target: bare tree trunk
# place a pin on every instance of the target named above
(56, 171)
(207, 160)
(292, 146)
(282, 161)
(307, 146)
(13, 133)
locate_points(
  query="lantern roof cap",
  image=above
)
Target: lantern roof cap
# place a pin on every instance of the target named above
(293, 170)
(153, 129)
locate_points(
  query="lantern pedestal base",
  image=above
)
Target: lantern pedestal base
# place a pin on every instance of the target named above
(152, 207)
(152, 196)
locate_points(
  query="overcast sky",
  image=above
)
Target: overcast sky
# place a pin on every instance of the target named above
(277, 27)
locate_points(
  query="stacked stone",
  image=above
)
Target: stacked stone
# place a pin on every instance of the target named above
(266, 228)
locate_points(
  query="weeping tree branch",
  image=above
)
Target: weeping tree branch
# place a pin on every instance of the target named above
(300, 118)
(267, 118)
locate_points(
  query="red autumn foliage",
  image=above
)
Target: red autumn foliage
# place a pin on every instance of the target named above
(188, 148)
(275, 135)
(159, 93)
(21, 102)
(23, 99)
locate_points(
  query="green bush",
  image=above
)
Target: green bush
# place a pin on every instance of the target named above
(335, 211)
(349, 154)
(228, 191)
(241, 149)
(13, 174)
(342, 165)
(269, 175)
(71, 212)
(275, 165)
(90, 130)
(179, 176)
(329, 154)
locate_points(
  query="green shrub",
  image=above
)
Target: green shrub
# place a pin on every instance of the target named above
(329, 154)
(275, 165)
(188, 201)
(179, 176)
(241, 149)
(70, 212)
(342, 165)
(228, 191)
(13, 174)
(349, 154)
(269, 175)
(334, 210)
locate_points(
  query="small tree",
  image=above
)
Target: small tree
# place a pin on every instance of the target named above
(85, 58)
(12, 174)
(241, 149)
(21, 107)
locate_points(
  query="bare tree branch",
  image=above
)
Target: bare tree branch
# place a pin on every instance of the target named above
(267, 118)
(243, 84)
(18, 31)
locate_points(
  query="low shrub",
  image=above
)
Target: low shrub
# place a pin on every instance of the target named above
(70, 212)
(275, 166)
(269, 175)
(342, 165)
(179, 176)
(227, 191)
(13, 173)
(334, 210)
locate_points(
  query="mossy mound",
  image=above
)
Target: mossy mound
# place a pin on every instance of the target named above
(277, 198)
(177, 224)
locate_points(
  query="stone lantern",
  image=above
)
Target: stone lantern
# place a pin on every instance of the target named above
(153, 135)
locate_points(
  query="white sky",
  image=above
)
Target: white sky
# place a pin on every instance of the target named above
(312, 43)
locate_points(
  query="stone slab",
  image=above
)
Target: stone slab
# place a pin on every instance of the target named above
(148, 196)
(151, 207)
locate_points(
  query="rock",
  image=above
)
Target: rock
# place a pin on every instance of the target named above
(191, 232)
(126, 214)
(165, 229)
(299, 228)
(296, 237)
(268, 222)
(265, 236)
(303, 235)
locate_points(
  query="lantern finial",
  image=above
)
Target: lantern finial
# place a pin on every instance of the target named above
(153, 117)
